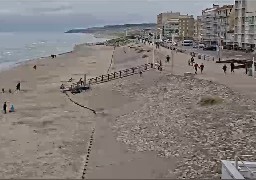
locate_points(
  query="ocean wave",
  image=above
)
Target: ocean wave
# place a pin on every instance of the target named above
(7, 53)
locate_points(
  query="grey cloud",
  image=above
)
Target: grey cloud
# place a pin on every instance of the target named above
(64, 14)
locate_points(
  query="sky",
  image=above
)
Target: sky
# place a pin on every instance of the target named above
(57, 15)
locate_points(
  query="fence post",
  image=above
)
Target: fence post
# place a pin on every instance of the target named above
(108, 77)
(120, 72)
(114, 75)
(146, 66)
(102, 78)
(84, 79)
(133, 70)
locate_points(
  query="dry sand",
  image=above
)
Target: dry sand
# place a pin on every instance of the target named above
(145, 127)
(47, 135)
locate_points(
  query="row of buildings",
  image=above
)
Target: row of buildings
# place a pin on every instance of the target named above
(233, 25)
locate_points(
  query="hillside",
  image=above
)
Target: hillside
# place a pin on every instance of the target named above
(113, 28)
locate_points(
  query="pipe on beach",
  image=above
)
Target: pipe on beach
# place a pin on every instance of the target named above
(76, 103)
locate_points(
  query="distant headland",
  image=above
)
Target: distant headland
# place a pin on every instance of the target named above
(112, 28)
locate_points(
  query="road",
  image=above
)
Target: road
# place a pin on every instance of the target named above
(225, 53)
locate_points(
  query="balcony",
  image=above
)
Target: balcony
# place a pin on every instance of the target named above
(243, 4)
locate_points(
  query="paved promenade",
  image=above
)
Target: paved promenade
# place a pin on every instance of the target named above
(213, 71)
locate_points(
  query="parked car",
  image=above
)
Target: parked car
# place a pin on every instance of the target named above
(210, 48)
(200, 46)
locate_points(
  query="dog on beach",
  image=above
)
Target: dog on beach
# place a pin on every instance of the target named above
(53, 56)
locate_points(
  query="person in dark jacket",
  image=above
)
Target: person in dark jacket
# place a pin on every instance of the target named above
(5, 107)
(224, 69)
(232, 66)
(167, 58)
(196, 67)
(18, 86)
(202, 68)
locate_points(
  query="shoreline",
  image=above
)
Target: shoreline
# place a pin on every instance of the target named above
(24, 62)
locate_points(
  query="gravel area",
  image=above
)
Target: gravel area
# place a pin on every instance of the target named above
(173, 123)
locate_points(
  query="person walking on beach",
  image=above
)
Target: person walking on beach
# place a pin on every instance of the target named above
(232, 67)
(3, 90)
(140, 73)
(224, 69)
(167, 58)
(202, 68)
(196, 67)
(192, 60)
(5, 107)
(18, 87)
(81, 81)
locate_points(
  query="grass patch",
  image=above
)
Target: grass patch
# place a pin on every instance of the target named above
(210, 100)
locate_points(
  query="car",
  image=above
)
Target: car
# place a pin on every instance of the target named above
(201, 45)
(210, 48)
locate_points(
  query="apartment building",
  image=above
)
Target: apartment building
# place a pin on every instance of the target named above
(209, 25)
(186, 26)
(170, 27)
(173, 22)
(224, 29)
(198, 28)
(164, 19)
(245, 23)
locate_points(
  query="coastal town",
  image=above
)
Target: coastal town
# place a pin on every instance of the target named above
(231, 26)
(174, 99)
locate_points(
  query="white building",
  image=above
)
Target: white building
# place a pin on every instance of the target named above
(245, 23)
(171, 27)
(241, 170)
(209, 25)
(224, 27)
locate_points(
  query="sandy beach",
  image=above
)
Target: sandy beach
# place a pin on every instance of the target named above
(47, 135)
(145, 127)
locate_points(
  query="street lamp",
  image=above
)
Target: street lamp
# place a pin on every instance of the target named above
(219, 47)
(172, 52)
(153, 41)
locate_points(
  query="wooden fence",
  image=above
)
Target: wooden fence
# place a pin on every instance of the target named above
(120, 74)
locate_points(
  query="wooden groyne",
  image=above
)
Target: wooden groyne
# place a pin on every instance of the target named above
(120, 74)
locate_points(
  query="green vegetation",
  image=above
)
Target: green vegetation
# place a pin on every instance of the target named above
(206, 101)
(121, 41)
(112, 28)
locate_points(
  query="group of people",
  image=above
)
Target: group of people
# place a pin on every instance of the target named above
(5, 103)
(232, 68)
(5, 108)
(191, 62)
(10, 91)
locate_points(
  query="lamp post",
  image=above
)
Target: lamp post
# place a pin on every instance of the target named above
(153, 51)
(172, 52)
(219, 47)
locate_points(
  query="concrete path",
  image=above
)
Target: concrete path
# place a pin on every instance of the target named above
(213, 71)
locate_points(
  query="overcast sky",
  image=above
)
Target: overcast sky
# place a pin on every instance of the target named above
(66, 14)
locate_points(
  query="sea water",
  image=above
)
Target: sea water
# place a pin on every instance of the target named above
(19, 47)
